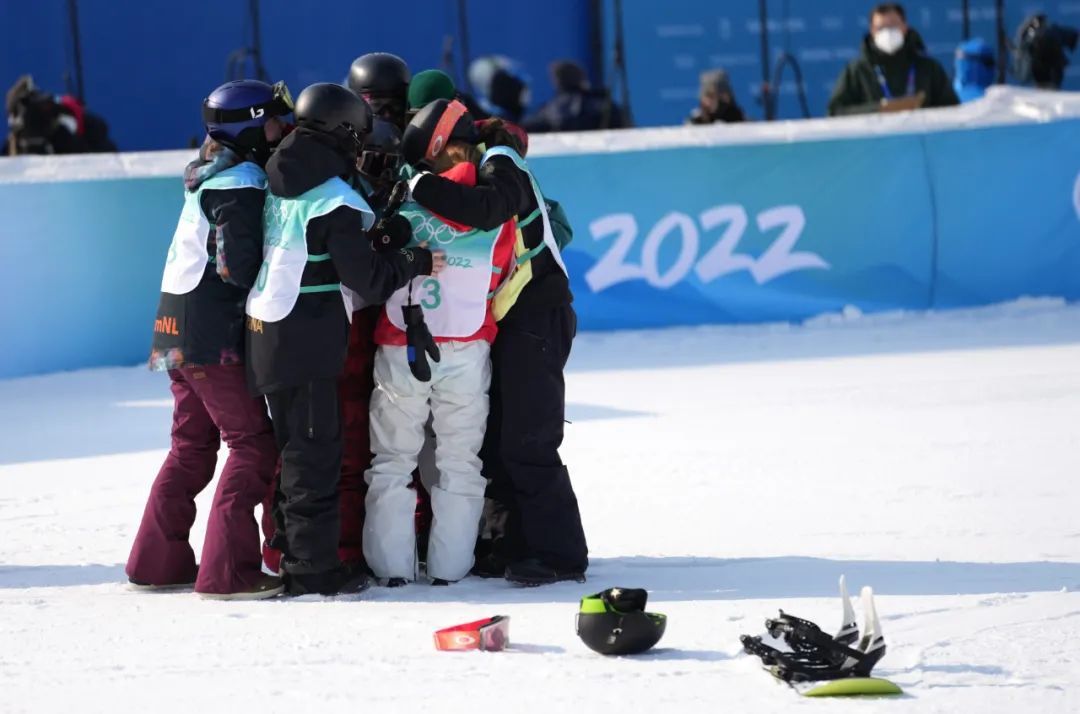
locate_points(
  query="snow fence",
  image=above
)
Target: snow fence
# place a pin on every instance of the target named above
(684, 225)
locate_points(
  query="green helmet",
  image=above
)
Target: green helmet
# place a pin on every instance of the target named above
(614, 622)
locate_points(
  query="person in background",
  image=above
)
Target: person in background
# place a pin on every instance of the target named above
(893, 72)
(974, 69)
(716, 100)
(575, 106)
(319, 265)
(213, 261)
(501, 86)
(40, 123)
(1039, 52)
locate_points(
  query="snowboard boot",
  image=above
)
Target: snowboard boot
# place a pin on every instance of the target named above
(342, 580)
(266, 587)
(489, 566)
(533, 571)
(148, 587)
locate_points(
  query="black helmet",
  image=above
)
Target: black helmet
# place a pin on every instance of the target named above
(614, 622)
(332, 110)
(381, 157)
(383, 80)
(433, 127)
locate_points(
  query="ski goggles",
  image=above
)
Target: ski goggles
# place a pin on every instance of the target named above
(615, 600)
(280, 104)
(491, 634)
(379, 165)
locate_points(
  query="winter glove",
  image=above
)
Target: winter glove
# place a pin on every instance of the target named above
(421, 344)
(390, 233)
(399, 194)
(420, 257)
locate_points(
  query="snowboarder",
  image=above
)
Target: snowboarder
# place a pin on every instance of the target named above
(198, 338)
(544, 539)
(318, 265)
(383, 80)
(453, 390)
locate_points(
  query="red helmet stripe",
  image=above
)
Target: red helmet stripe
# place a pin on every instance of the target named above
(444, 128)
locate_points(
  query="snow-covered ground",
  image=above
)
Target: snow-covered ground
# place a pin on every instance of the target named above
(729, 470)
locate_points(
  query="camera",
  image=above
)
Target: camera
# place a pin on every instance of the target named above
(1039, 53)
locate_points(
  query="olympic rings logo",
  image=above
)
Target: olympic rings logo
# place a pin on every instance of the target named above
(426, 227)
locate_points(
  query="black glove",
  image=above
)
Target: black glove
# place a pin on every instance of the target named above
(421, 258)
(421, 344)
(398, 195)
(390, 233)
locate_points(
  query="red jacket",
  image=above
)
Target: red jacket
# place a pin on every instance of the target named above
(503, 258)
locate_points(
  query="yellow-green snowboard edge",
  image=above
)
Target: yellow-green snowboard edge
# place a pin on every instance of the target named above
(855, 687)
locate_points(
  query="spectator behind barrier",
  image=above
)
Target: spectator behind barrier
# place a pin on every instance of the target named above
(501, 86)
(575, 106)
(893, 73)
(974, 69)
(40, 123)
(716, 100)
(1040, 52)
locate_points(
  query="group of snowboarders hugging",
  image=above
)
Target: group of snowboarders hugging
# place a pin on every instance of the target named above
(343, 289)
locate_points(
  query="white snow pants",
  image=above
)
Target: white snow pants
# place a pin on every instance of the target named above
(457, 399)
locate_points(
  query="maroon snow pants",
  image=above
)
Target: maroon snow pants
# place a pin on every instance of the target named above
(211, 403)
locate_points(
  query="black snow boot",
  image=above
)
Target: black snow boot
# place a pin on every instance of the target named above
(533, 571)
(342, 580)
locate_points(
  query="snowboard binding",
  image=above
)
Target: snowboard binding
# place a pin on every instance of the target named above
(815, 655)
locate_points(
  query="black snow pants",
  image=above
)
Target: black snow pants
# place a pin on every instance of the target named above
(529, 485)
(307, 427)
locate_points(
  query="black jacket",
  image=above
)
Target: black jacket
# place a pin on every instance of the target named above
(311, 341)
(502, 192)
(576, 111)
(858, 90)
(206, 325)
(727, 113)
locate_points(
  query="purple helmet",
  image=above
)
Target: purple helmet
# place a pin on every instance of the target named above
(236, 111)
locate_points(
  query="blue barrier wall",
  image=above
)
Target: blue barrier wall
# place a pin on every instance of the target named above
(149, 64)
(668, 44)
(672, 226)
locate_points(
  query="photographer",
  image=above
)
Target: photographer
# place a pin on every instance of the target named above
(1040, 52)
(40, 123)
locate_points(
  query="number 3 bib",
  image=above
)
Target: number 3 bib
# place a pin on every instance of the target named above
(455, 302)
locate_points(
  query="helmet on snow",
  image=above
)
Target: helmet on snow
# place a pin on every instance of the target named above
(614, 622)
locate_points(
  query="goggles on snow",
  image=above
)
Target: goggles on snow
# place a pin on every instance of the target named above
(491, 634)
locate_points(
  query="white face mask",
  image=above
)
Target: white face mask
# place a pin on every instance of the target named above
(889, 40)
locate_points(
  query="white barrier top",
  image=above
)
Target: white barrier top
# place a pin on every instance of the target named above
(1002, 106)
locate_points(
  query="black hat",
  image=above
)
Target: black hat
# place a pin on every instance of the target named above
(614, 622)
(434, 127)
